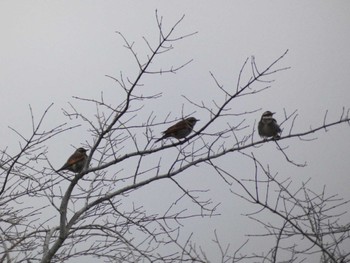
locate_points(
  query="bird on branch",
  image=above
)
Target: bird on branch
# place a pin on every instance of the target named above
(76, 161)
(268, 127)
(180, 129)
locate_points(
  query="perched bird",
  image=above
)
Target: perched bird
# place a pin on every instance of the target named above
(76, 161)
(180, 129)
(268, 126)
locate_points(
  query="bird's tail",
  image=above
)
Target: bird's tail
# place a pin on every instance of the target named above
(61, 169)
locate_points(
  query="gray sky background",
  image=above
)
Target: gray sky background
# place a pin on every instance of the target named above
(53, 50)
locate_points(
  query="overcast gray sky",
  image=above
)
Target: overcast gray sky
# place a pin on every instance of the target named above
(53, 50)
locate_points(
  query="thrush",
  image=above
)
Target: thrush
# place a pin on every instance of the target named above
(180, 129)
(268, 126)
(76, 161)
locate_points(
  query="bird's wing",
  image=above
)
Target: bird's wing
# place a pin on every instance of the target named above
(177, 126)
(278, 127)
(75, 159)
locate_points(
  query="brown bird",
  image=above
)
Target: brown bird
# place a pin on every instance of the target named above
(180, 129)
(76, 161)
(268, 126)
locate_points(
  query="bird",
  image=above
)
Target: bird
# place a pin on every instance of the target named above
(180, 129)
(76, 161)
(268, 126)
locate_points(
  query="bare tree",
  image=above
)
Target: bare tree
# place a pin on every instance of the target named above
(86, 215)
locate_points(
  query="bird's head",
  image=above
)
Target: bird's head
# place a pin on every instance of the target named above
(192, 121)
(81, 150)
(267, 114)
